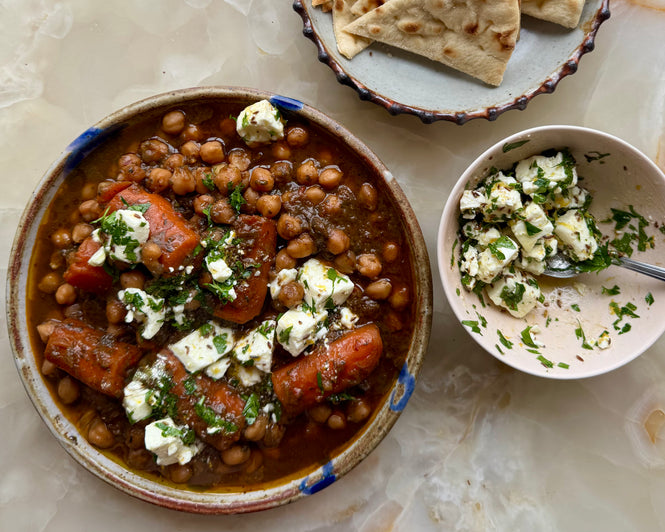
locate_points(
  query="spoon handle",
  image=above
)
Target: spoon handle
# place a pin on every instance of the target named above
(647, 269)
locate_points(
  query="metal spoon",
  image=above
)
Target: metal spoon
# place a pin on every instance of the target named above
(560, 266)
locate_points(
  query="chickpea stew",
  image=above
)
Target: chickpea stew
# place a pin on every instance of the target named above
(221, 295)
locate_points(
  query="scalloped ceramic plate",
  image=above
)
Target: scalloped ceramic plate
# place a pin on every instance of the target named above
(545, 54)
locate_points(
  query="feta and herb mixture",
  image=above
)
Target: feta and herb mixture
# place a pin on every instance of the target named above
(225, 303)
(513, 221)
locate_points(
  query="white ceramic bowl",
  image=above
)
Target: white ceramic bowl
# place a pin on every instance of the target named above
(617, 175)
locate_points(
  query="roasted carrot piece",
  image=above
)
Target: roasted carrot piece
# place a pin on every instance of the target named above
(328, 370)
(260, 237)
(85, 276)
(205, 402)
(91, 356)
(167, 228)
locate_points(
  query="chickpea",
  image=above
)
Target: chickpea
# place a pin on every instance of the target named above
(80, 232)
(49, 369)
(269, 205)
(99, 434)
(291, 294)
(261, 180)
(369, 265)
(338, 242)
(256, 430)
(227, 127)
(390, 251)
(153, 150)
(90, 210)
(301, 246)
(255, 461)
(150, 251)
(56, 260)
(61, 238)
(221, 212)
(330, 177)
(358, 410)
(325, 156)
(320, 413)
(191, 132)
(307, 173)
(182, 181)
(226, 177)
(400, 297)
(65, 294)
(332, 205)
(103, 187)
(173, 122)
(282, 171)
(132, 279)
(68, 390)
(115, 311)
(158, 180)
(212, 152)
(45, 330)
(337, 421)
(393, 321)
(345, 262)
(140, 459)
(191, 151)
(288, 226)
(281, 150)
(240, 158)
(202, 204)
(89, 191)
(236, 455)
(49, 283)
(204, 181)
(180, 474)
(284, 261)
(368, 197)
(379, 290)
(251, 197)
(297, 137)
(128, 163)
(173, 161)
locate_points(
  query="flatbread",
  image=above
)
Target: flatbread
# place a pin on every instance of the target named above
(474, 36)
(349, 45)
(361, 7)
(564, 12)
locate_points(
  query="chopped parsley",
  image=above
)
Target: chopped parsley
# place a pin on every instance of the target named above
(473, 325)
(575, 307)
(220, 343)
(649, 299)
(285, 335)
(319, 381)
(236, 198)
(212, 419)
(513, 145)
(531, 229)
(512, 296)
(527, 339)
(579, 334)
(186, 435)
(545, 362)
(614, 291)
(208, 181)
(251, 409)
(506, 343)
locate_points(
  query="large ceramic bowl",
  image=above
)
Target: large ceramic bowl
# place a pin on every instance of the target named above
(575, 311)
(301, 483)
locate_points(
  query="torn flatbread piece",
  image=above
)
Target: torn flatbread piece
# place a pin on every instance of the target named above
(362, 7)
(476, 37)
(349, 45)
(564, 12)
(326, 5)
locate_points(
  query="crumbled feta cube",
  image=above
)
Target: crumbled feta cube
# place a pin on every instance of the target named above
(574, 234)
(144, 308)
(202, 347)
(260, 123)
(257, 346)
(516, 292)
(572, 198)
(218, 268)
(98, 257)
(298, 329)
(249, 376)
(217, 370)
(469, 262)
(125, 230)
(136, 401)
(495, 258)
(284, 277)
(604, 340)
(164, 439)
(347, 318)
(472, 202)
(504, 200)
(532, 225)
(550, 169)
(324, 285)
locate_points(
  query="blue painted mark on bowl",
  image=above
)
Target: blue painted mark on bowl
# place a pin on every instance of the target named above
(327, 479)
(408, 382)
(86, 142)
(288, 104)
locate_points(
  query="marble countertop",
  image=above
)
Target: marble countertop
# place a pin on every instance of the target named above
(480, 446)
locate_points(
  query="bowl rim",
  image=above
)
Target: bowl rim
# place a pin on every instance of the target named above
(300, 483)
(427, 116)
(452, 204)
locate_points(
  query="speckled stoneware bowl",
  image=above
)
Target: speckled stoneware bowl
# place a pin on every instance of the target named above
(403, 82)
(578, 310)
(302, 483)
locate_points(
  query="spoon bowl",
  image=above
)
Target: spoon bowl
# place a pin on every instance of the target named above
(559, 266)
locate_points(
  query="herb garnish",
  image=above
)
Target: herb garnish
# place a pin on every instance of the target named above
(251, 409)
(186, 435)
